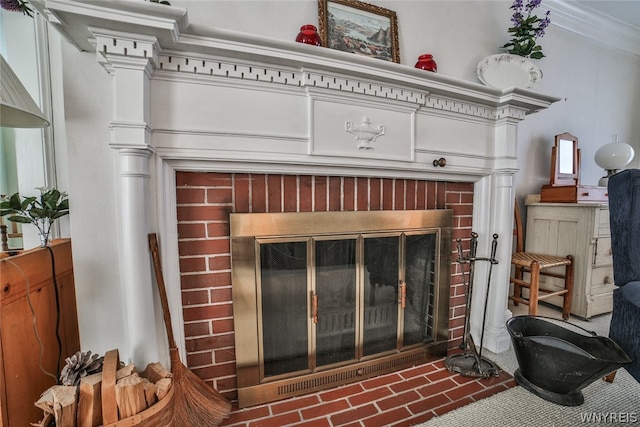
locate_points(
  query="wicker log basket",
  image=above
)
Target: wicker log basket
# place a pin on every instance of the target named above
(112, 398)
(157, 415)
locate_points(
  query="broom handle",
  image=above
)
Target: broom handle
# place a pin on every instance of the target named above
(153, 245)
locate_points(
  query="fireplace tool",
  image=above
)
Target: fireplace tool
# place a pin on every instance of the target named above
(470, 363)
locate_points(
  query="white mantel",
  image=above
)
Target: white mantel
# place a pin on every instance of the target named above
(192, 98)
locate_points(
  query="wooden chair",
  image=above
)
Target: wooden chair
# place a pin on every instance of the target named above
(535, 265)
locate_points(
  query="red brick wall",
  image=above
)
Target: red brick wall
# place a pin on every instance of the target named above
(204, 202)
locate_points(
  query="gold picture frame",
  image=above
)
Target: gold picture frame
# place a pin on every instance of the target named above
(361, 28)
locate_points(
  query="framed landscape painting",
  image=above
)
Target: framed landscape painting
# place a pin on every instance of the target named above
(360, 28)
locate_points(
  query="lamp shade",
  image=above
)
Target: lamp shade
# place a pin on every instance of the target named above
(17, 108)
(614, 156)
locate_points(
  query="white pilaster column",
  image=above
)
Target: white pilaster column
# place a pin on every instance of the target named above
(493, 214)
(496, 337)
(134, 259)
(129, 59)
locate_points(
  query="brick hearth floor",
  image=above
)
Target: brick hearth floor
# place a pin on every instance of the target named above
(403, 398)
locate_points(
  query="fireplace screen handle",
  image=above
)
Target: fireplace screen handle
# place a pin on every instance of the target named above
(314, 307)
(403, 295)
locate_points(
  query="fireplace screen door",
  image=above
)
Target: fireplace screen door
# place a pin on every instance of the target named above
(319, 308)
(328, 299)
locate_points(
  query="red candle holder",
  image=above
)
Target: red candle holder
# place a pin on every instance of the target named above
(426, 62)
(309, 35)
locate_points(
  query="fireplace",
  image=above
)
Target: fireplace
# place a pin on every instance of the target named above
(321, 299)
(196, 137)
(239, 215)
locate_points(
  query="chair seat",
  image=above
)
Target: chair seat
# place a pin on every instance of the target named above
(525, 259)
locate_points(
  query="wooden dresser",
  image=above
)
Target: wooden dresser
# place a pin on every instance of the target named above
(27, 284)
(582, 230)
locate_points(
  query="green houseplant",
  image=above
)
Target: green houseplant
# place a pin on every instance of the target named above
(527, 29)
(40, 211)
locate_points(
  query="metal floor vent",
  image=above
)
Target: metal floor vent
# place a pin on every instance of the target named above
(352, 374)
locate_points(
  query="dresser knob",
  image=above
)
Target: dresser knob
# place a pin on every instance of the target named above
(607, 280)
(442, 162)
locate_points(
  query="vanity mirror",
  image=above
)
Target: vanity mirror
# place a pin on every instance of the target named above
(564, 183)
(565, 160)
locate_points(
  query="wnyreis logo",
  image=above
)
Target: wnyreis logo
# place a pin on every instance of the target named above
(609, 417)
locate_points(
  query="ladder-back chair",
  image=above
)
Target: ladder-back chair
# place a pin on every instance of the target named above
(536, 265)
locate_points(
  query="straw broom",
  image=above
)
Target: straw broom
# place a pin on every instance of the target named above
(195, 403)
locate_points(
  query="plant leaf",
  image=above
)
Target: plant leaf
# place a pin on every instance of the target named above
(59, 214)
(26, 202)
(21, 219)
(14, 201)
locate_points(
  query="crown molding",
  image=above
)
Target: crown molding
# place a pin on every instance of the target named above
(593, 25)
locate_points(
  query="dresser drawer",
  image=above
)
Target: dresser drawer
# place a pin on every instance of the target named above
(603, 223)
(601, 276)
(602, 290)
(602, 252)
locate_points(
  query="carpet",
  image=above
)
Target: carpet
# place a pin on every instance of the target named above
(610, 404)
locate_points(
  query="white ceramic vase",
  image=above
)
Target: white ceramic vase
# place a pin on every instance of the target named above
(504, 70)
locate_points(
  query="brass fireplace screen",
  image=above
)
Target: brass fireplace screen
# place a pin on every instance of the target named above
(323, 299)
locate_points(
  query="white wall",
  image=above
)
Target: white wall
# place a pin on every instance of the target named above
(92, 196)
(600, 85)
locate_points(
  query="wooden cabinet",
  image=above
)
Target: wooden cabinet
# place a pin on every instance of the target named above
(581, 230)
(28, 298)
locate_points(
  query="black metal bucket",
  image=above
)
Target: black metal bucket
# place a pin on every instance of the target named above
(556, 363)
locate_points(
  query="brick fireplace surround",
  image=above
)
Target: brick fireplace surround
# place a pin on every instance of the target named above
(406, 397)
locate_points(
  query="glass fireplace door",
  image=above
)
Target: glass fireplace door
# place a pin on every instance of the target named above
(284, 307)
(419, 289)
(380, 308)
(335, 288)
(329, 300)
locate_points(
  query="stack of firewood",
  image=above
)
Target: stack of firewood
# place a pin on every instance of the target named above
(81, 406)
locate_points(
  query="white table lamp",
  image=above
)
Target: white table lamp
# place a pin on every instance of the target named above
(612, 157)
(17, 108)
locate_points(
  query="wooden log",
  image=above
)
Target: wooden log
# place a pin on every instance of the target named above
(162, 387)
(65, 405)
(45, 402)
(90, 401)
(154, 372)
(149, 392)
(130, 396)
(125, 372)
(61, 402)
